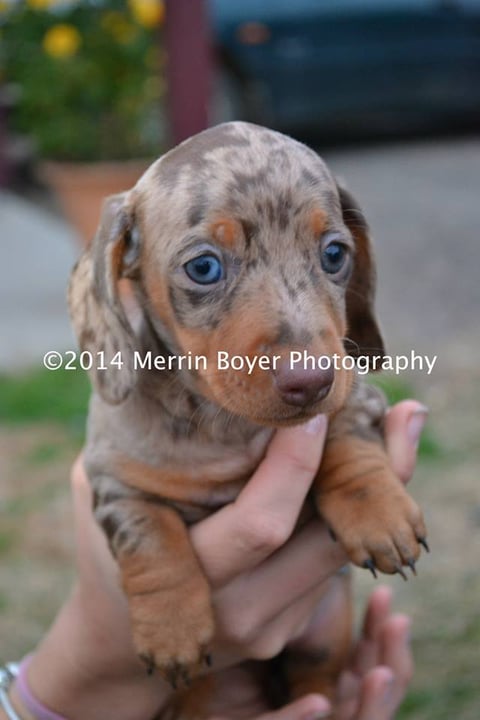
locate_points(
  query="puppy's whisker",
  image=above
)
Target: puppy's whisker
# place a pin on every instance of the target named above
(351, 342)
(367, 349)
(198, 410)
(356, 293)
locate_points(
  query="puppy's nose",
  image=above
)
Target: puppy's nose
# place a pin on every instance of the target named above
(302, 386)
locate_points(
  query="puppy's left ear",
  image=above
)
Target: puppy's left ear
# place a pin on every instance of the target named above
(96, 309)
(362, 328)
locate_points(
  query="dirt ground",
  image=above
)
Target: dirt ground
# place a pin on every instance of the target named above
(36, 539)
(36, 546)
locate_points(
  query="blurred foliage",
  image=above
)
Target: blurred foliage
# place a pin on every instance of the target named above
(89, 74)
(42, 395)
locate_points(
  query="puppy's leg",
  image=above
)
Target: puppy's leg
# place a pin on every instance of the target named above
(167, 592)
(359, 496)
(314, 663)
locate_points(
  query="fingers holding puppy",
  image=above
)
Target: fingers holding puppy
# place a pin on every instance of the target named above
(243, 534)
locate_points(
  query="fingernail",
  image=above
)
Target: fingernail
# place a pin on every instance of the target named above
(316, 426)
(318, 715)
(416, 423)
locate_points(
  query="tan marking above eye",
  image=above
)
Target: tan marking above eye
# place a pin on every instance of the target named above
(318, 221)
(226, 231)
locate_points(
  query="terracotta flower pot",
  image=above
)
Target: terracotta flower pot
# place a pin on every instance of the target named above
(82, 187)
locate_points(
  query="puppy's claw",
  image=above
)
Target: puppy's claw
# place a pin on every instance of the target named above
(178, 676)
(185, 677)
(370, 565)
(332, 534)
(411, 565)
(424, 543)
(400, 571)
(148, 662)
(208, 659)
(172, 674)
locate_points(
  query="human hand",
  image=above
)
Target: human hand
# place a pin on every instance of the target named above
(233, 545)
(242, 550)
(371, 688)
(381, 667)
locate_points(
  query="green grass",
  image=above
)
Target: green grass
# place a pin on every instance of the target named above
(6, 542)
(44, 453)
(456, 698)
(62, 396)
(43, 395)
(20, 505)
(395, 388)
(471, 632)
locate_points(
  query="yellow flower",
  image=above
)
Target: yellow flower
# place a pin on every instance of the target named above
(41, 4)
(148, 13)
(61, 41)
(154, 87)
(115, 23)
(4, 6)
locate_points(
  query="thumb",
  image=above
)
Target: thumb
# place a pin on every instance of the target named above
(403, 426)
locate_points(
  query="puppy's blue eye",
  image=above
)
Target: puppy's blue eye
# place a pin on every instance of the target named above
(333, 258)
(204, 269)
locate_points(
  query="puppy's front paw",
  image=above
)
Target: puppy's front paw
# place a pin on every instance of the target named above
(376, 521)
(172, 629)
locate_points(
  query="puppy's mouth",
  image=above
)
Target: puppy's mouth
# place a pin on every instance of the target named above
(285, 421)
(289, 414)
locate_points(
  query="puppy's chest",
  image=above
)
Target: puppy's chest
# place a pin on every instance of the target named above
(195, 511)
(212, 474)
(196, 468)
(197, 478)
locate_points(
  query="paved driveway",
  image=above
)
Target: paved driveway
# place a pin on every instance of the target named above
(423, 203)
(38, 252)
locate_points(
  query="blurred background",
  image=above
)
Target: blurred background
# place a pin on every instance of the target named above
(388, 91)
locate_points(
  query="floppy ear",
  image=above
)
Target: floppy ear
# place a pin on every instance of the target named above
(362, 324)
(97, 314)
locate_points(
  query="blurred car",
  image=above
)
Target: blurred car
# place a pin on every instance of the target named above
(348, 65)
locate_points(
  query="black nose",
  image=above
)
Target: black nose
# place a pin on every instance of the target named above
(303, 386)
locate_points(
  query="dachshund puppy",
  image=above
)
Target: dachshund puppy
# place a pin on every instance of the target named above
(239, 244)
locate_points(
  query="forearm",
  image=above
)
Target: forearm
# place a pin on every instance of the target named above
(82, 670)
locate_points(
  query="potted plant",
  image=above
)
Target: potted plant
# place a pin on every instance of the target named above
(90, 76)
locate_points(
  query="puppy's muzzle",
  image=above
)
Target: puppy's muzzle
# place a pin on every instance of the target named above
(302, 386)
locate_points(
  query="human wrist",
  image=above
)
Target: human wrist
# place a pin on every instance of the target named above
(82, 670)
(11, 705)
(18, 705)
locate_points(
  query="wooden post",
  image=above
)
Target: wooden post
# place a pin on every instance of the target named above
(188, 66)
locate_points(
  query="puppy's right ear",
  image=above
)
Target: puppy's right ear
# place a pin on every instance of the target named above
(97, 313)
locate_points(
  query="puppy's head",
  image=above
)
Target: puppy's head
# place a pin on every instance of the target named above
(240, 242)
